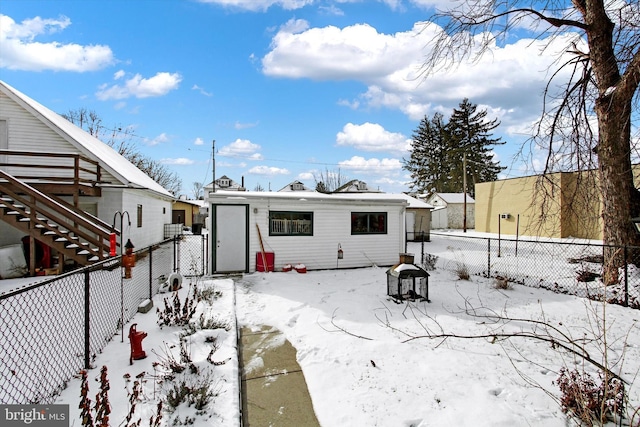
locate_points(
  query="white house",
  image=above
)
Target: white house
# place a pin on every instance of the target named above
(449, 210)
(307, 228)
(48, 157)
(225, 183)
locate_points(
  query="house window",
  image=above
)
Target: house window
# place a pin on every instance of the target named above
(368, 222)
(139, 216)
(287, 223)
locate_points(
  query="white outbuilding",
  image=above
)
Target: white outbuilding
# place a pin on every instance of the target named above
(318, 231)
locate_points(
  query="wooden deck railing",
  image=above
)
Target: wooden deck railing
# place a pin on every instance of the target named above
(59, 169)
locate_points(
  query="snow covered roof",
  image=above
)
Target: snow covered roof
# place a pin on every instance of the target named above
(355, 186)
(118, 166)
(296, 186)
(225, 183)
(407, 270)
(309, 195)
(455, 197)
(415, 203)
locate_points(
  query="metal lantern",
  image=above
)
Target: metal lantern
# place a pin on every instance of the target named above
(408, 282)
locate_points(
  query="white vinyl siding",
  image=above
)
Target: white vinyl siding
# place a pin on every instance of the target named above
(331, 229)
(27, 133)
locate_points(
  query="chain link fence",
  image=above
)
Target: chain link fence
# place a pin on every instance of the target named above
(562, 267)
(193, 254)
(54, 328)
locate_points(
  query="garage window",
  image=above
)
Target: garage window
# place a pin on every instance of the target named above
(368, 223)
(288, 223)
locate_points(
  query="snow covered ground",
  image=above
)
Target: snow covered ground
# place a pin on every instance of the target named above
(369, 361)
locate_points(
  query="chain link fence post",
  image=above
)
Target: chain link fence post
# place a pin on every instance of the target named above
(151, 272)
(488, 257)
(87, 317)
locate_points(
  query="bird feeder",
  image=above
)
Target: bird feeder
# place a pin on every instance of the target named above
(112, 244)
(406, 281)
(128, 259)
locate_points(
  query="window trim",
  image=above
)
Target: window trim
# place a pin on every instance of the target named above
(368, 231)
(290, 212)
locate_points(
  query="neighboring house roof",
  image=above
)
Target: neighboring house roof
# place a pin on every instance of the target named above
(295, 186)
(190, 202)
(355, 186)
(118, 166)
(225, 183)
(453, 197)
(414, 203)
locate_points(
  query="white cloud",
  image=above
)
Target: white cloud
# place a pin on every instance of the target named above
(359, 164)
(241, 148)
(198, 141)
(268, 171)
(353, 104)
(139, 87)
(372, 137)
(329, 53)
(391, 67)
(180, 161)
(331, 10)
(201, 90)
(260, 5)
(163, 137)
(306, 176)
(239, 126)
(20, 51)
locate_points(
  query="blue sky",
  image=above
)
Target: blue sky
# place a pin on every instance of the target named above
(288, 89)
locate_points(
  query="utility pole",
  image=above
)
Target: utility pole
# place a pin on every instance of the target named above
(464, 190)
(213, 162)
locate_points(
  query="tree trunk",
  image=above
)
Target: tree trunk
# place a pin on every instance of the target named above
(613, 109)
(616, 183)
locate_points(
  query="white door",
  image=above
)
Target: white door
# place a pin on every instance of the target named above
(230, 243)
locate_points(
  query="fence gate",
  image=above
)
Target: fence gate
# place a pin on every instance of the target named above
(192, 254)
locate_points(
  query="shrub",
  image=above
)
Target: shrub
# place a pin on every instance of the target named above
(462, 271)
(178, 313)
(502, 283)
(430, 262)
(588, 401)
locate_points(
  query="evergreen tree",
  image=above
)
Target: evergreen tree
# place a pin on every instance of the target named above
(428, 148)
(470, 133)
(438, 151)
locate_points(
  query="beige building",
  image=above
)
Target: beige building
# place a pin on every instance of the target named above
(563, 204)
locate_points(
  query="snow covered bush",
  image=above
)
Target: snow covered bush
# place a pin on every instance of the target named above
(589, 402)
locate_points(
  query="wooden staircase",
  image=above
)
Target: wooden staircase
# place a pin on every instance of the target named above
(74, 234)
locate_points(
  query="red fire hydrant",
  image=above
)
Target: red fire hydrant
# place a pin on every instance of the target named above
(135, 339)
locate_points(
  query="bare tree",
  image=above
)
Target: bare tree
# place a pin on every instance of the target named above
(329, 181)
(589, 124)
(120, 140)
(197, 190)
